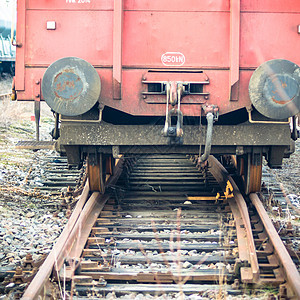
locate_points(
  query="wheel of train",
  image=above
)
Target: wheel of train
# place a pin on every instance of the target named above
(250, 169)
(99, 166)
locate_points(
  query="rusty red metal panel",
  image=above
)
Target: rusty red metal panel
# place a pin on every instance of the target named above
(173, 5)
(177, 5)
(290, 6)
(70, 4)
(20, 51)
(117, 49)
(133, 102)
(203, 40)
(164, 35)
(267, 36)
(89, 39)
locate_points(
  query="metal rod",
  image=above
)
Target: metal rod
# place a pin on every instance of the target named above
(117, 49)
(37, 115)
(210, 122)
(295, 133)
(56, 129)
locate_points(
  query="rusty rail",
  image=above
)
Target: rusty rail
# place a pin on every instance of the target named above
(291, 273)
(7, 95)
(289, 269)
(247, 251)
(77, 239)
(84, 212)
(44, 272)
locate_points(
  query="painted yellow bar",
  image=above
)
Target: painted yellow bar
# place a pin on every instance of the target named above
(201, 198)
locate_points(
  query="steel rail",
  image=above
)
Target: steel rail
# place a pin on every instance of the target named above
(247, 250)
(41, 278)
(291, 273)
(77, 239)
(93, 207)
(5, 95)
(67, 238)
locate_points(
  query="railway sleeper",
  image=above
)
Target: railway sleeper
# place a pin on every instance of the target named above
(92, 262)
(161, 277)
(120, 289)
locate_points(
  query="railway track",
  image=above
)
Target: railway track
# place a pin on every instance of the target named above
(165, 228)
(56, 177)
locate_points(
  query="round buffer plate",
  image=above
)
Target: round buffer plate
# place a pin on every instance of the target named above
(274, 89)
(71, 86)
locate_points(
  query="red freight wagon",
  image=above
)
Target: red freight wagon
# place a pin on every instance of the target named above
(164, 76)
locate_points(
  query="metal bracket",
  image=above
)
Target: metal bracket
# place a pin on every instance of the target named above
(115, 151)
(249, 110)
(37, 107)
(214, 109)
(174, 93)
